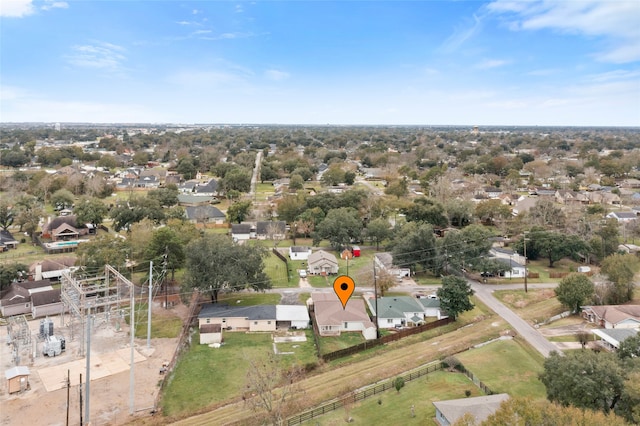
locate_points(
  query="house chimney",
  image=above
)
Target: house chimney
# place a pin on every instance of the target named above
(38, 276)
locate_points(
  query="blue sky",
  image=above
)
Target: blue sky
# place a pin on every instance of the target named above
(569, 62)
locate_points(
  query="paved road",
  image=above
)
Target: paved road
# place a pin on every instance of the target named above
(484, 292)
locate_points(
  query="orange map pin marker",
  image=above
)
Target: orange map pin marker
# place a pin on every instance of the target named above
(344, 286)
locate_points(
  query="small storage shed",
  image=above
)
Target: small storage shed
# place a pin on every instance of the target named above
(356, 251)
(17, 378)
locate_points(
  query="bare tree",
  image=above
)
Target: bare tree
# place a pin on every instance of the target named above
(271, 387)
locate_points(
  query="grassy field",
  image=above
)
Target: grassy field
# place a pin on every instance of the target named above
(394, 408)
(534, 306)
(164, 324)
(507, 366)
(277, 271)
(205, 376)
(345, 340)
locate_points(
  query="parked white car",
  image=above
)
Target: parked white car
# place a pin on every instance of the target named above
(302, 273)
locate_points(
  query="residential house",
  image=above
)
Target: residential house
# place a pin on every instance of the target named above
(299, 252)
(208, 189)
(63, 227)
(397, 311)
(51, 268)
(292, 316)
(240, 231)
(613, 316)
(480, 408)
(431, 306)
(630, 183)
(272, 230)
(7, 241)
(16, 299)
(65, 232)
(332, 319)
(623, 217)
(492, 192)
(385, 261)
(564, 196)
(611, 338)
(523, 205)
(513, 269)
(239, 318)
(322, 263)
(205, 214)
(46, 303)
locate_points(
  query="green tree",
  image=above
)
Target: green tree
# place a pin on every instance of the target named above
(90, 210)
(62, 199)
(239, 211)
(378, 230)
(7, 215)
(333, 175)
(11, 272)
(296, 182)
(460, 212)
(165, 244)
(620, 268)
(237, 179)
(290, 207)
(398, 188)
(167, 197)
(454, 295)
(214, 263)
(398, 383)
(414, 245)
(574, 290)
(491, 211)
(104, 249)
(126, 213)
(630, 347)
(186, 168)
(426, 210)
(340, 226)
(584, 379)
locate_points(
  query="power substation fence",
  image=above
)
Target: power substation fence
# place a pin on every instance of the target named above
(360, 395)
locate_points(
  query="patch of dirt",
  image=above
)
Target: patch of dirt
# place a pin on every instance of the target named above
(109, 396)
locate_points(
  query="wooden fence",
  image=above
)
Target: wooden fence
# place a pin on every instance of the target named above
(384, 339)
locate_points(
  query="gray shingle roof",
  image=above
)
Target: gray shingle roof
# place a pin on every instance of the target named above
(258, 312)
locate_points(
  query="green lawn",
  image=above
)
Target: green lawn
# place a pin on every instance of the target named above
(394, 408)
(345, 340)
(205, 376)
(276, 269)
(507, 366)
(303, 352)
(535, 306)
(164, 325)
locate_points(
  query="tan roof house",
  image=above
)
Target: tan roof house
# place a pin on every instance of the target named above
(332, 319)
(613, 316)
(322, 263)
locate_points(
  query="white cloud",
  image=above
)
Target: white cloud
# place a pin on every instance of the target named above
(491, 63)
(615, 21)
(276, 75)
(52, 4)
(100, 55)
(462, 34)
(239, 8)
(16, 8)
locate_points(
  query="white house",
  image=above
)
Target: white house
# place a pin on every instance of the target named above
(431, 306)
(613, 316)
(623, 217)
(397, 311)
(240, 231)
(322, 263)
(611, 338)
(299, 252)
(513, 268)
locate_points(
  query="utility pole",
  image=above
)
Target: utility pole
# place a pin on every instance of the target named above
(525, 262)
(80, 405)
(87, 402)
(150, 301)
(164, 276)
(132, 332)
(375, 296)
(68, 390)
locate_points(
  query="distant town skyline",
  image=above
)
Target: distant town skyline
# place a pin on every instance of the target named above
(522, 63)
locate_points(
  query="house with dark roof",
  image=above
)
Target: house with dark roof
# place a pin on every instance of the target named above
(480, 408)
(7, 241)
(623, 217)
(46, 303)
(240, 231)
(299, 252)
(239, 318)
(17, 298)
(64, 228)
(205, 214)
(273, 230)
(210, 188)
(51, 268)
(396, 311)
(194, 200)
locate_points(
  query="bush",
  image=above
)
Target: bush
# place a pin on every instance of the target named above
(398, 383)
(452, 363)
(467, 393)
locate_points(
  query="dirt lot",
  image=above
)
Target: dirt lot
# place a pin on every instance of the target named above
(110, 374)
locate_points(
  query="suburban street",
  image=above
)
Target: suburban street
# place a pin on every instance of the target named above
(484, 292)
